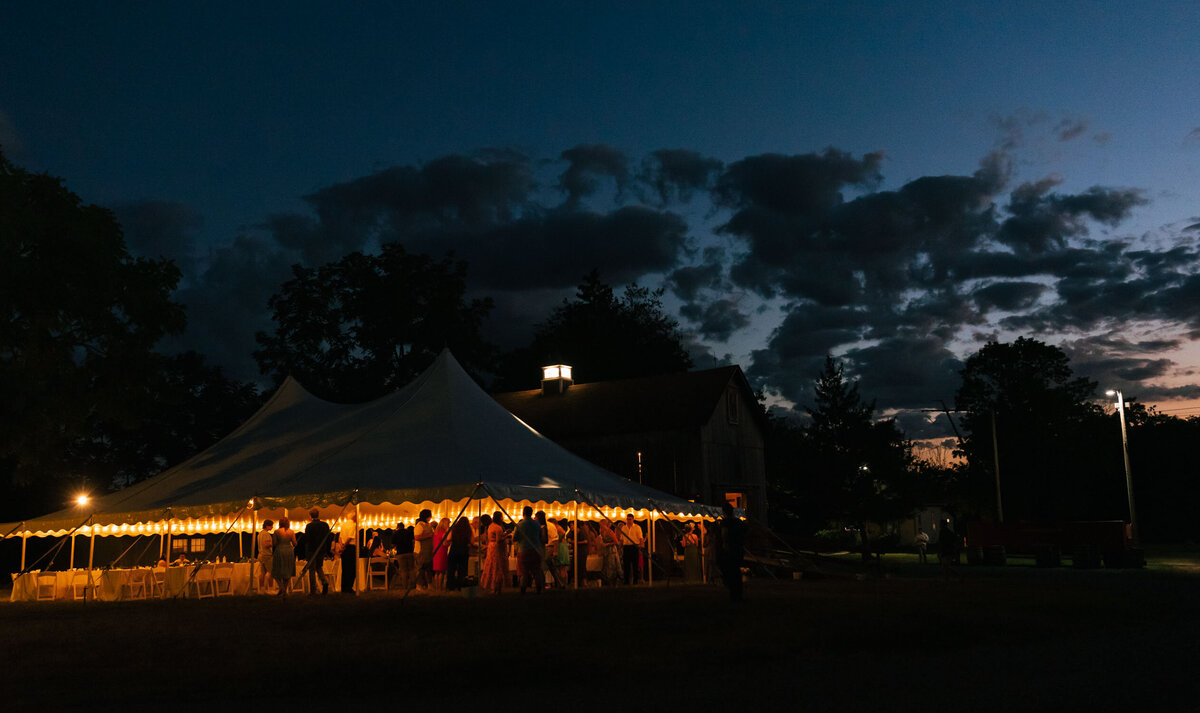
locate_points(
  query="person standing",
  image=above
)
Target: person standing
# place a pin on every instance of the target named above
(631, 547)
(733, 552)
(460, 553)
(610, 569)
(922, 541)
(949, 543)
(316, 548)
(495, 564)
(266, 545)
(691, 554)
(283, 561)
(529, 563)
(406, 566)
(423, 548)
(441, 552)
(348, 557)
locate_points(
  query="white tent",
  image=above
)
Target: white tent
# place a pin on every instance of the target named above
(439, 443)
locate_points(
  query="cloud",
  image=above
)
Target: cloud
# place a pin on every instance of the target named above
(717, 320)
(161, 230)
(687, 282)
(1040, 220)
(906, 371)
(1008, 296)
(676, 174)
(897, 282)
(585, 163)
(227, 303)
(558, 249)
(1071, 129)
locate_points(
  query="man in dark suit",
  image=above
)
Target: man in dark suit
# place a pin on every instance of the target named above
(316, 547)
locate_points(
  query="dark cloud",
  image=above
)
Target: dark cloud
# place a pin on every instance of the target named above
(1192, 137)
(687, 282)
(891, 280)
(1153, 392)
(676, 174)
(455, 192)
(1071, 129)
(557, 249)
(1040, 220)
(161, 230)
(717, 320)
(585, 163)
(1008, 296)
(795, 353)
(227, 303)
(906, 371)
(1011, 128)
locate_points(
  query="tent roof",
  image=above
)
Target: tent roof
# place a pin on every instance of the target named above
(436, 439)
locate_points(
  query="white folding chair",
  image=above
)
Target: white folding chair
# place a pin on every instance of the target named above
(203, 583)
(134, 585)
(377, 573)
(299, 582)
(81, 582)
(158, 582)
(223, 579)
(47, 586)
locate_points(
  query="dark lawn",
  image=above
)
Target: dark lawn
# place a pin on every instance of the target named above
(1004, 639)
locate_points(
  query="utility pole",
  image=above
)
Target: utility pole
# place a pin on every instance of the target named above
(996, 457)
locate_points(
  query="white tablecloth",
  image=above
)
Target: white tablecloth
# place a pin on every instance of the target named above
(107, 584)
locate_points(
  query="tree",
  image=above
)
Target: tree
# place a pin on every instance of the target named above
(365, 325)
(603, 337)
(862, 470)
(1042, 418)
(186, 407)
(79, 318)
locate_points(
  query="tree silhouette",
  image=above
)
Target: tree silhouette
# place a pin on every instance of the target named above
(365, 325)
(603, 337)
(1043, 419)
(862, 469)
(79, 317)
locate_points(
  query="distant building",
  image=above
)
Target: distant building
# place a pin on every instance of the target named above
(698, 434)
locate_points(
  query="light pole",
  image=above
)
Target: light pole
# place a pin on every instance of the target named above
(1128, 473)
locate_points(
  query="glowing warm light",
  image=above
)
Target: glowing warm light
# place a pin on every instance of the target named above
(81, 499)
(557, 371)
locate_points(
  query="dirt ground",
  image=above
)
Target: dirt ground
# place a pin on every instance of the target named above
(896, 638)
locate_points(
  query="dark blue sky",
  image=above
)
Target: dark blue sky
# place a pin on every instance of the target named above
(1074, 129)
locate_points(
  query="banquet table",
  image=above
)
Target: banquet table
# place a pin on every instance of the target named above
(107, 584)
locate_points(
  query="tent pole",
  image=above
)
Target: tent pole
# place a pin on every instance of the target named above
(24, 537)
(358, 536)
(703, 561)
(575, 534)
(650, 554)
(92, 549)
(72, 551)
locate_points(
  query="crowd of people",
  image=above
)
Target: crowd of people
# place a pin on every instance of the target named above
(435, 555)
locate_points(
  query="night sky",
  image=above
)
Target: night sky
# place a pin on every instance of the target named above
(892, 183)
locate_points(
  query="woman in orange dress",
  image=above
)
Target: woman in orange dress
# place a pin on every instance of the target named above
(495, 564)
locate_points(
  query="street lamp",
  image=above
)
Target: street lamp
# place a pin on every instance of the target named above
(1125, 450)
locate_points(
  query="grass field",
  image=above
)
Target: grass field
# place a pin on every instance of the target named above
(896, 638)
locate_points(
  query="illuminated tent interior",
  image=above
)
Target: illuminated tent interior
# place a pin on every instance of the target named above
(440, 443)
